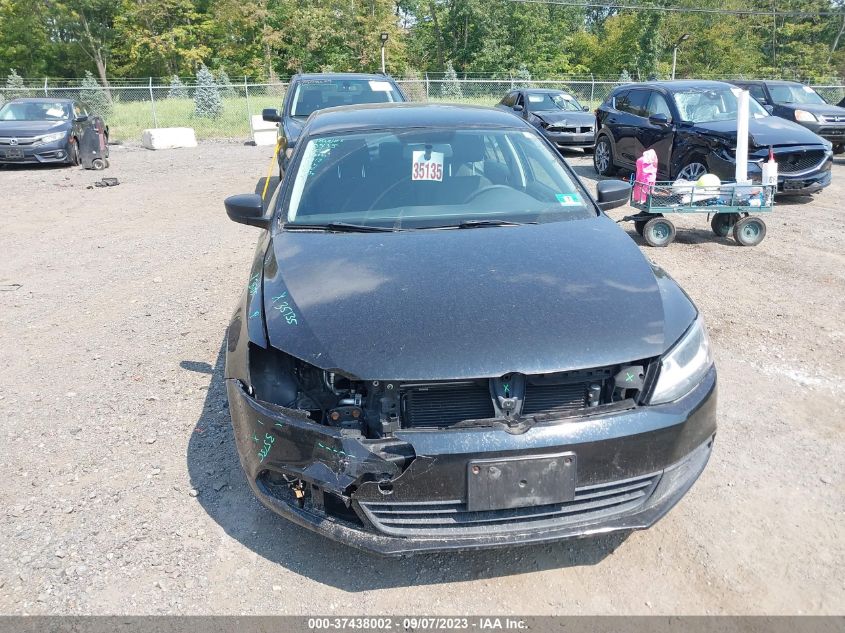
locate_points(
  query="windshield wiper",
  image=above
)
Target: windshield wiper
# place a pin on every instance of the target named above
(340, 227)
(472, 224)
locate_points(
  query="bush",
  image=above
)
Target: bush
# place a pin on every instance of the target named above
(451, 87)
(207, 101)
(226, 87)
(94, 96)
(177, 89)
(14, 86)
(624, 77)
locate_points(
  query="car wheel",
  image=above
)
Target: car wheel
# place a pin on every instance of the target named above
(750, 231)
(723, 223)
(73, 150)
(693, 170)
(589, 150)
(659, 232)
(603, 158)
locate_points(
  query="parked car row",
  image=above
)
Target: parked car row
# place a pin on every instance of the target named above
(433, 350)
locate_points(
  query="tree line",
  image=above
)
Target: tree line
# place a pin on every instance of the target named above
(267, 39)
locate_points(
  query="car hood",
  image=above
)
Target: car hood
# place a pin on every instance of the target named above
(31, 128)
(449, 304)
(825, 109)
(572, 118)
(763, 132)
(293, 129)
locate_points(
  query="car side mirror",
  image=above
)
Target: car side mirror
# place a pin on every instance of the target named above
(659, 119)
(247, 208)
(271, 115)
(82, 118)
(518, 108)
(585, 108)
(612, 193)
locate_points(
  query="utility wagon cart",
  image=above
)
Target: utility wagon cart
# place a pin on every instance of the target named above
(731, 206)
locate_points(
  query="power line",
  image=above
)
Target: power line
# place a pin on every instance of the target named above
(642, 7)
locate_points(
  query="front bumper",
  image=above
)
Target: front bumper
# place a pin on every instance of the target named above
(829, 130)
(46, 153)
(390, 496)
(566, 140)
(799, 183)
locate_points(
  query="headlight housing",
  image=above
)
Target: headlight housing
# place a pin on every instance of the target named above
(805, 117)
(684, 366)
(55, 136)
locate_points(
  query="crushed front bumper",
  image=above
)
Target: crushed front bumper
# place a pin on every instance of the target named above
(408, 493)
(801, 183)
(566, 140)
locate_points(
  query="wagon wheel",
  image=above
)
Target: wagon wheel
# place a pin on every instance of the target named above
(723, 223)
(750, 231)
(658, 232)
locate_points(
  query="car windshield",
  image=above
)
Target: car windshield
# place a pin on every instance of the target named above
(311, 95)
(426, 178)
(706, 105)
(785, 93)
(35, 111)
(553, 101)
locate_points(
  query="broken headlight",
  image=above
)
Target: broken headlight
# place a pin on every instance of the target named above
(684, 366)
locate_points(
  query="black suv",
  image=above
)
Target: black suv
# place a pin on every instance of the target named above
(310, 92)
(796, 102)
(691, 125)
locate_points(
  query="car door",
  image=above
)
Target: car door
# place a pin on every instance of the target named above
(632, 118)
(507, 101)
(521, 101)
(658, 137)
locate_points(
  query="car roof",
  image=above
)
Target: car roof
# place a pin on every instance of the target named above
(353, 76)
(408, 115)
(541, 91)
(39, 100)
(681, 84)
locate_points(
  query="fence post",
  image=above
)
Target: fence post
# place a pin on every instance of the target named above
(427, 95)
(592, 88)
(45, 87)
(512, 86)
(248, 108)
(153, 104)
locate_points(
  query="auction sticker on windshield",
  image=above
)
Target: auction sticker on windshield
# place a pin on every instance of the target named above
(430, 168)
(380, 86)
(569, 199)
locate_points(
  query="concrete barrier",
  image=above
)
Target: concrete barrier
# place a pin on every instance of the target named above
(169, 138)
(263, 132)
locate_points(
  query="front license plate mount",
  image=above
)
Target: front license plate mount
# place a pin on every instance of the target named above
(14, 153)
(517, 482)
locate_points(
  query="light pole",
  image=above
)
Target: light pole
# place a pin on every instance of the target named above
(384, 37)
(683, 38)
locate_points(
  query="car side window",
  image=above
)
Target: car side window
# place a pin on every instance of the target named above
(636, 104)
(520, 101)
(657, 105)
(757, 92)
(620, 101)
(509, 99)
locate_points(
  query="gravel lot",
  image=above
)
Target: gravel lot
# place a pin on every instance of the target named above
(122, 492)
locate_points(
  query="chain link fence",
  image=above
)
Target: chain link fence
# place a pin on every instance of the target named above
(129, 106)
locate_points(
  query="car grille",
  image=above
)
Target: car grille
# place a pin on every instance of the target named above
(451, 518)
(571, 130)
(444, 404)
(20, 140)
(794, 162)
(834, 118)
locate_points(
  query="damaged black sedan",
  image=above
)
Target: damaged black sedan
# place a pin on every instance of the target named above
(444, 343)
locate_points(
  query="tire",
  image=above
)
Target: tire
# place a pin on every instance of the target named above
(639, 225)
(694, 169)
(603, 158)
(723, 223)
(750, 231)
(73, 151)
(659, 232)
